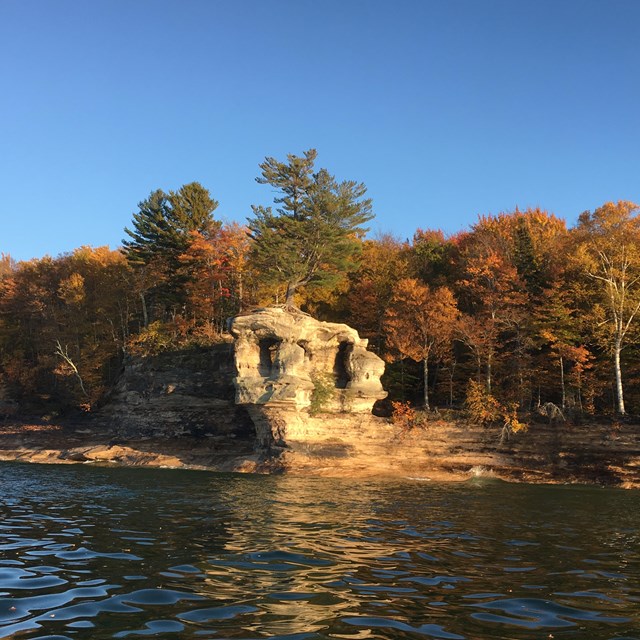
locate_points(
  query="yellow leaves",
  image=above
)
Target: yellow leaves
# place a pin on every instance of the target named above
(482, 408)
(607, 242)
(542, 224)
(485, 409)
(7, 265)
(611, 218)
(154, 339)
(548, 336)
(71, 290)
(235, 245)
(510, 416)
(609, 229)
(98, 256)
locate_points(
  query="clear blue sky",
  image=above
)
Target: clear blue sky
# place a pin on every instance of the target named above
(445, 109)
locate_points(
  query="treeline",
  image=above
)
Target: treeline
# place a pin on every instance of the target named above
(519, 309)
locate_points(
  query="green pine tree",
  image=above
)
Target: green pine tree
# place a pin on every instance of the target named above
(527, 260)
(163, 222)
(314, 236)
(161, 232)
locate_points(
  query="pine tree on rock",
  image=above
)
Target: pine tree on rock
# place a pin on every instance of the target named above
(314, 237)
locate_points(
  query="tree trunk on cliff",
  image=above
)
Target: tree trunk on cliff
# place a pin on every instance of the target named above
(240, 293)
(619, 391)
(289, 296)
(64, 354)
(145, 315)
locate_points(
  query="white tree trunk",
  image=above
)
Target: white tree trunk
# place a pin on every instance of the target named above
(618, 369)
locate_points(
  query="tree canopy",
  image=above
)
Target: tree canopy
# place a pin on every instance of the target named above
(162, 224)
(608, 244)
(314, 236)
(163, 229)
(536, 312)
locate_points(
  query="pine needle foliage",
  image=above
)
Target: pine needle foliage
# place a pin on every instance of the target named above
(313, 238)
(163, 223)
(163, 229)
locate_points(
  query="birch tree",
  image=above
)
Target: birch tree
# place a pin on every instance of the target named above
(608, 243)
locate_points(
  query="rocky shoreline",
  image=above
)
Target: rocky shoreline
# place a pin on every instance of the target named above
(440, 451)
(83, 442)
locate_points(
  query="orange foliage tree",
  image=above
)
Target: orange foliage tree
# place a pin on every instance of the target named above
(495, 300)
(214, 267)
(63, 320)
(371, 288)
(420, 322)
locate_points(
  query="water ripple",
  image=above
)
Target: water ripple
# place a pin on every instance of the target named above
(113, 553)
(539, 614)
(430, 630)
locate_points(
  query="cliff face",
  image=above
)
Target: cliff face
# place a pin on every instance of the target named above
(289, 364)
(178, 393)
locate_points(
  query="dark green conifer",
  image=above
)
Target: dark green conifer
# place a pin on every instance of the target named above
(527, 260)
(313, 238)
(161, 233)
(163, 222)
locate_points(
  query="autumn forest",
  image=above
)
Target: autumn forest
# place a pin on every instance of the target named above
(518, 310)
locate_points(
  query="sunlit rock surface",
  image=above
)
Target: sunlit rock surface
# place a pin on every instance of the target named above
(282, 358)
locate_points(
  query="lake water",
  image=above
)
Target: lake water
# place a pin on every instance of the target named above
(91, 552)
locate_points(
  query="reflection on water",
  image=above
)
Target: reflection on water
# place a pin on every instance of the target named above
(117, 553)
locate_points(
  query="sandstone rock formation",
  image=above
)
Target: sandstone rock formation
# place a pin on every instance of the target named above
(284, 357)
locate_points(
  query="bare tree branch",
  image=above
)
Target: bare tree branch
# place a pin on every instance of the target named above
(64, 354)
